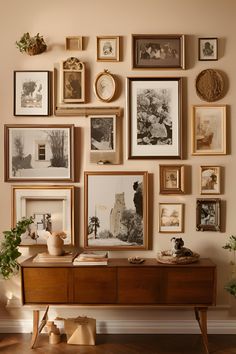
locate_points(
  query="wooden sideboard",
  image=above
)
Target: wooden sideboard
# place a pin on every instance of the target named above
(122, 284)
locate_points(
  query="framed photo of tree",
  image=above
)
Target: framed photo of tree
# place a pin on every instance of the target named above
(39, 153)
(116, 212)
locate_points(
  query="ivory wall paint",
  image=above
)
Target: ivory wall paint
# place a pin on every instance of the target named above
(56, 19)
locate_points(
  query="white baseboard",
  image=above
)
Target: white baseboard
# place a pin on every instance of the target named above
(135, 327)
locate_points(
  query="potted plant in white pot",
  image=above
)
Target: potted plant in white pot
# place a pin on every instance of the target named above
(231, 246)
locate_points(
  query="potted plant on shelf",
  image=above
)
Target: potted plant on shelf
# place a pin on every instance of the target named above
(31, 45)
(9, 248)
(231, 246)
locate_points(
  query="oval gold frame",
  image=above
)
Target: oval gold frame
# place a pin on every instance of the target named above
(96, 88)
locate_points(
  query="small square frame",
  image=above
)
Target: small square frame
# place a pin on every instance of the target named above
(108, 48)
(207, 49)
(171, 217)
(208, 212)
(74, 43)
(172, 179)
(210, 179)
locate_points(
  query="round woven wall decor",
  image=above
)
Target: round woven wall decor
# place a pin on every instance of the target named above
(210, 85)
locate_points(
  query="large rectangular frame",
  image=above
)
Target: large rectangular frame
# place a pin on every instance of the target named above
(116, 210)
(154, 108)
(35, 149)
(208, 212)
(47, 197)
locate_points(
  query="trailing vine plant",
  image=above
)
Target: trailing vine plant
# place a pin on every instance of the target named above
(231, 246)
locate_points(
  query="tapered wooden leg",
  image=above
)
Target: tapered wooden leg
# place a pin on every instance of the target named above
(36, 327)
(201, 317)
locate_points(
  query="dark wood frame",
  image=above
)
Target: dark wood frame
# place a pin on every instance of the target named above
(215, 48)
(178, 80)
(144, 174)
(180, 188)
(150, 37)
(203, 227)
(7, 128)
(48, 74)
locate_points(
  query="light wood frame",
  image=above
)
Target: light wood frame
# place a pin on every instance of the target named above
(210, 179)
(98, 197)
(172, 179)
(74, 43)
(112, 43)
(171, 217)
(72, 81)
(204, 220)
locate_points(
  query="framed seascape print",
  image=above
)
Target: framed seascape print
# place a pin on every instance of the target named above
(171, 217)
(153, 51)
(208, 214)
(31, 93)
(73, 81)
(209, 130)
(116, 210)
(108, 48)
(210, 178)
(39, 153)
(154, 118)
(172, 179)
(52, 208)
(207, 49)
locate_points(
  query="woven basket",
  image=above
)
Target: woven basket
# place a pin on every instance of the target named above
(38, 48)
(166, 257)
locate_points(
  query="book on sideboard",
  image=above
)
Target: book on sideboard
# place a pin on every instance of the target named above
(91, 258)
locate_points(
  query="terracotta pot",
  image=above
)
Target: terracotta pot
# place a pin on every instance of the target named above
(55, 244)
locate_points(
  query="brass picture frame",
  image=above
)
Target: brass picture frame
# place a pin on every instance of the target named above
(105, 86)
(171, 217)
(172, 179)
(108, 48)
(210, 179)
(208, 214)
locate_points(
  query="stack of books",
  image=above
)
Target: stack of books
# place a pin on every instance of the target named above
(91, 258)
(45, 257)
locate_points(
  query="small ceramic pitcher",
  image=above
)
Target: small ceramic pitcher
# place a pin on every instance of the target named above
(55, 243)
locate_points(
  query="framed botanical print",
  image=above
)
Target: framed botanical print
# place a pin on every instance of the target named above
(171, 217)
(210, 179)
(208, 214)
(154, 118)
(73, 81)
(108, 48)
(31, 93)
(116, 219)
(153, 51)
(172, 179)
(209, 130)
(52, 208)
(207, 49)
(39, 152)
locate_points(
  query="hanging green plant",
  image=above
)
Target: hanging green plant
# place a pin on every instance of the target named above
(31, 45)
(231, 247)
(9, 248)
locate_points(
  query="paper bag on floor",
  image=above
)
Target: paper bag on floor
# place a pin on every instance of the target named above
(80, 330)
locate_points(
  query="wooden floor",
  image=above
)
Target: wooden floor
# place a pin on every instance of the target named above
(122, 344)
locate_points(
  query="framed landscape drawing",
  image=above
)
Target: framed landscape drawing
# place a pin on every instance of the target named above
(171, 217)
(207, 49)
(116, 210)
(209, 130)
(208, 214)
(172, 179)
(39, 153)
(31, 93)
(52, 208)
(108, 48)
(210, 178)
(153, 51)
(154, 118)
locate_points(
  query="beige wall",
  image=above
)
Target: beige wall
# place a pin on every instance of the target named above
(56, 19)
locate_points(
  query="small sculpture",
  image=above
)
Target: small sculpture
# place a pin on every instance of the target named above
(178, 254)
(178, 249)
(55, 243)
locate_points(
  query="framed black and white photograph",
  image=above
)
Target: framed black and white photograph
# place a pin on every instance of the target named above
(171, 217)
(52, 208)
(116, 210)
(103, 133)
(210, 179)
(154, 118)
(72, 81)
(208, 49)
(208, 214)
(153, 51)
(108, 48)
(172, 179)
(31, 93)
(39, 153)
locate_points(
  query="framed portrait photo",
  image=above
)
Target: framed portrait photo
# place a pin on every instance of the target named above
(105, 86)
(108, 48)
(39, 153)
(208, 214)
(209, 130)
(171, 217)
(153, 51)
(72, 81)
(31, 93)
(207, 49)
(210, 179)
(154, 118)
(52, 208)
(172, 179)
(116, 210)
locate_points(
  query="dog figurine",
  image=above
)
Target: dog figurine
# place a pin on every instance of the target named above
(178, 249)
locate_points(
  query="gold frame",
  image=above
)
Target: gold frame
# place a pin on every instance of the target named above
(208, 227)
(200, 144)
(209, 187)
(170, 228)
(144, 174)
(44, 187)
(105, 75)
(116, 57)
(74, 68)
(74, 43)
(180, 179)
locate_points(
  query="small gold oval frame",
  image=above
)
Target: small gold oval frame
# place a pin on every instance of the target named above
(105, 86)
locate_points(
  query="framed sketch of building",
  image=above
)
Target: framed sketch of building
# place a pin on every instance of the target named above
(116, 210)
(39, 153)
(208, 214)
(154, 118)
(31, 93)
